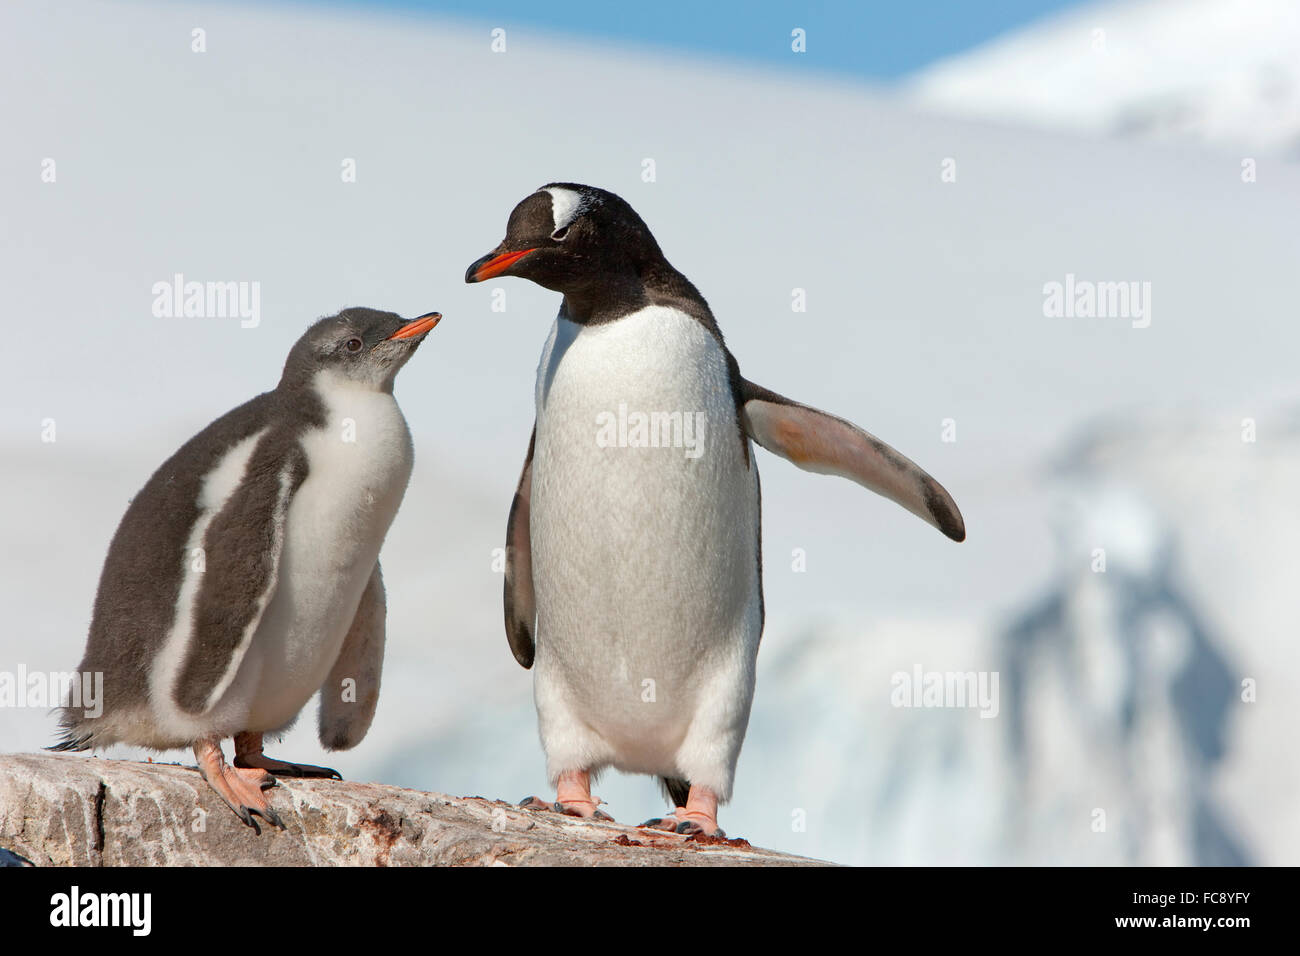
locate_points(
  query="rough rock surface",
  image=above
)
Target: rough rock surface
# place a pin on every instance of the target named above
(62, 809)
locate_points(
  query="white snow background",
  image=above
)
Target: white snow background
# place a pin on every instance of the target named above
(1119, 692)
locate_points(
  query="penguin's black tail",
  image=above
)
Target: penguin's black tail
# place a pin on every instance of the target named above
(678, 790)
(72, 736)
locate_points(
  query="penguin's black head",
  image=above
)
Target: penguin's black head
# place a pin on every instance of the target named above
(363, 347)
(567, 238)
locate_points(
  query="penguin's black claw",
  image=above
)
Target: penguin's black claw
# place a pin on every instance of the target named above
(282, 768)
(661, 823)
(250, 814)
(537, 803)
(273, 818)
(305, 771)
(320, 773)
(691, 828)
(687, 828)
(569, 811)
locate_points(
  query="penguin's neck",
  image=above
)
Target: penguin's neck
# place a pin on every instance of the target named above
(622, 289)
(362, 434)
(614, 296)
(327, 383)
(606, 299)
(350, 408)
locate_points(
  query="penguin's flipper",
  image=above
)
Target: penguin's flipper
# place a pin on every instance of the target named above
(520, 600)
(350, 694)
(822, 443)
(241, 551)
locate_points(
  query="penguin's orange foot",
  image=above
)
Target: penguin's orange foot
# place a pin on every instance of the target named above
(244, 792)
(686, 823)
(242, 788)
(573, 798)
(588, 809)
(248, 754)
(281, 768)
(698, 818)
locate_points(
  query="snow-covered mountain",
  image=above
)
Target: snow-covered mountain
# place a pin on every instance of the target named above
(1221, 72)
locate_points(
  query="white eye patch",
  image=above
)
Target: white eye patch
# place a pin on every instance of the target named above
(566, 205)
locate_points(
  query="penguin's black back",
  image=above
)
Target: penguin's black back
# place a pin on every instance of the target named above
(135, 603)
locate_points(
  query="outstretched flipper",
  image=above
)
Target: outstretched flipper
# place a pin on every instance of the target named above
(520, 601)
(242, 548)
(822, 443)
(350, 694)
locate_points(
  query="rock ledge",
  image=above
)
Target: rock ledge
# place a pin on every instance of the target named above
(73, 810)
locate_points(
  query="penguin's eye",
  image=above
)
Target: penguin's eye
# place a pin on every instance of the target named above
(353, 345)
(559, 234)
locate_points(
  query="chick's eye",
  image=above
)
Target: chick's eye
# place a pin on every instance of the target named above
(559, 234)
(353, 345)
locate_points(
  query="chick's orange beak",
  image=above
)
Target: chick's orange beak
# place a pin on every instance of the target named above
(417, 326)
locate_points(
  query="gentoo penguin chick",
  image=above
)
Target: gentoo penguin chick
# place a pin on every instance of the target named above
(244, 577)
(633, 566)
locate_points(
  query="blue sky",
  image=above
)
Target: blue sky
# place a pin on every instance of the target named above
(870, 40)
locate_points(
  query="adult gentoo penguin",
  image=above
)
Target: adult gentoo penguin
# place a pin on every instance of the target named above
(244, 577)
(633, 565)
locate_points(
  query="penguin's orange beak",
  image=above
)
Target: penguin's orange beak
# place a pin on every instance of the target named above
(417, 326)
(493, 264)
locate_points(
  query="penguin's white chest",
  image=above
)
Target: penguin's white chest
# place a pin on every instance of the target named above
(359, 464)
(644, 530)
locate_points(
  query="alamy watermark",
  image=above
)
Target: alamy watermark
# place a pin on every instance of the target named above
(208, 300)
(956, 689)
(684, 430)
(131, 911)
(1085, 299)
(73, 689)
